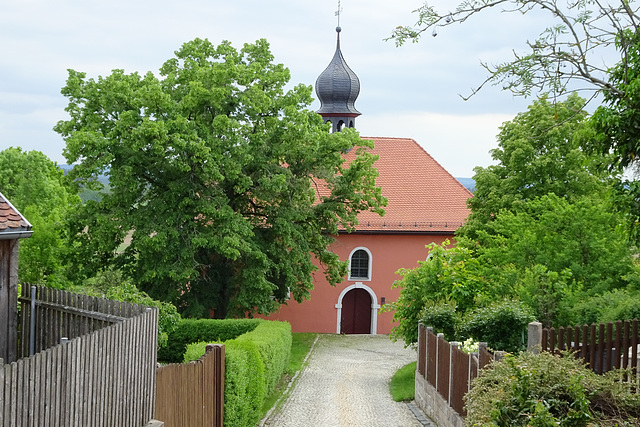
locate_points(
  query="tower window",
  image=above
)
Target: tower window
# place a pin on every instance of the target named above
(360, 263)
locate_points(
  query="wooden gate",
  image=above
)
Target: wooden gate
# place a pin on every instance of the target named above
(356, 312)
(192, 394)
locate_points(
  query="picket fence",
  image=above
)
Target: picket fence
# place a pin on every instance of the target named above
(104, 375)
(192, 394)
(603, 347)
(448, 369)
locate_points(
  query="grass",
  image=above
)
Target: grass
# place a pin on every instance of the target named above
(402, 386)
(300, 345)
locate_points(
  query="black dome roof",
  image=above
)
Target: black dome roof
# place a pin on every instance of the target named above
(338, 86)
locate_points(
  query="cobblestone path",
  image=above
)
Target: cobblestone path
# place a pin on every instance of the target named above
(346, 384)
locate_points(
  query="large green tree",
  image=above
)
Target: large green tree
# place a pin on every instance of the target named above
(226, 186)
(35, 186)
(538, 153)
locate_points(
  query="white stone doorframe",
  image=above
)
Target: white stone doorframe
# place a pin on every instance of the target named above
(374, 306)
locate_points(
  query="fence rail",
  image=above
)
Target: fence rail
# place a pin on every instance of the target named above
(103, 376)
(447, 368)
(61, 314)
(192, 394)
(603, 347)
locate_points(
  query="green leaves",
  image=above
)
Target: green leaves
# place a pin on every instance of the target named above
(213, 169)
(37, 188)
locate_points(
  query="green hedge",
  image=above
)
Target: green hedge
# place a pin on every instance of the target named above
(202, 330)
(254, 363)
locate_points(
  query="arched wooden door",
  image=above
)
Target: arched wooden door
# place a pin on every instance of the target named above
(356, 312)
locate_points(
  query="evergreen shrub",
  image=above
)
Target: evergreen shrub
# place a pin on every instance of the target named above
(202, 330)
(442, 317)
(501, 325)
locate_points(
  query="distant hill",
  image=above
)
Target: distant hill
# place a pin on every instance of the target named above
(66, 168)
(469, 183)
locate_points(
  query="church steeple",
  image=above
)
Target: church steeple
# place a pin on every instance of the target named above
(338, 88)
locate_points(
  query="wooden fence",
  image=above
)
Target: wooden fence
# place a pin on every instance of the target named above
(192, 394)
(603, 347)
(447, 368)
(103, 376)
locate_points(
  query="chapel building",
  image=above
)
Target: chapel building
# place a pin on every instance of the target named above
(426, 205)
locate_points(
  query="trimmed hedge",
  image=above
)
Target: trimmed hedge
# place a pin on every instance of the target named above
(202, 330)
(254, 364)
(273, 341)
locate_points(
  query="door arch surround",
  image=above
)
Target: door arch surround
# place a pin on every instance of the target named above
(374, 306)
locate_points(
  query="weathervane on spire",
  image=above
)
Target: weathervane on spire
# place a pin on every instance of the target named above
(338, 12)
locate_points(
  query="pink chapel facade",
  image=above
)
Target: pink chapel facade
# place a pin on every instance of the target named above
(425, 205)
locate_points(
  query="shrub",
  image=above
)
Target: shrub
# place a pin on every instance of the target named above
(549, 390)
(442, 317)
(205, 330)
(619, 304)
(168, 316)
(501, 325)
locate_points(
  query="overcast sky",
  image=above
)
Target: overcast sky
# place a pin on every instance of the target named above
(411, 91)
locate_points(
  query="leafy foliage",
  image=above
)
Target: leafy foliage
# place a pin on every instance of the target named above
(567, 51)
(213, 170)
(442, 317)
(618, 304)
(36, 187)
(449, 274)
(548, 390)
(616, 121)
(538, 153)
(168, 316)
(502, 325)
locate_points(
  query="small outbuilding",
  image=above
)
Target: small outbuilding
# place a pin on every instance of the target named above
(13, 227)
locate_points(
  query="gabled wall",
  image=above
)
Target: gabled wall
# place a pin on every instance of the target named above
(389, 252)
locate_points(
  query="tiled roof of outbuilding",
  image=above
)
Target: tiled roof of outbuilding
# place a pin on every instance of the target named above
(423, 196)
(12, 223)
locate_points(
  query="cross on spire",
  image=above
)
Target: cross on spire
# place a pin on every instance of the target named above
(338, 12)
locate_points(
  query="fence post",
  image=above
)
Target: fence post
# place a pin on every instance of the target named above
(32, 323)
(452, 345)
(439, 335)
(534, 337)
(428, 330)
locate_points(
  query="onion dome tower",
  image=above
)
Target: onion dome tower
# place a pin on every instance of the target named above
(338, 88)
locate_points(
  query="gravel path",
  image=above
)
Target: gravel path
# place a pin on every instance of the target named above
(346, 384)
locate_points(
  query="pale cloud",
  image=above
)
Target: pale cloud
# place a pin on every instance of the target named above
(416, 85)
(457, 142)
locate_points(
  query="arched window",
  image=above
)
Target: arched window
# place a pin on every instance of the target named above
(360, 264)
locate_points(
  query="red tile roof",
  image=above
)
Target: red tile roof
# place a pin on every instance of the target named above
(422, 195)
(11, 221)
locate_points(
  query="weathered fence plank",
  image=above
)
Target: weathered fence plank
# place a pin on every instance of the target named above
(192, 394)
(73, 384)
